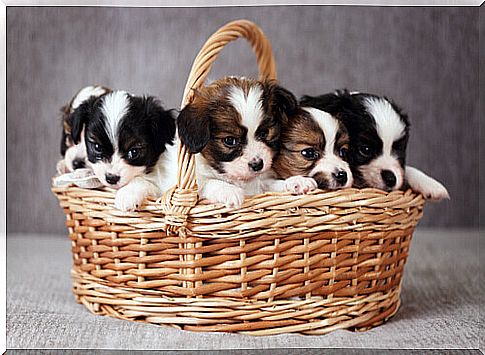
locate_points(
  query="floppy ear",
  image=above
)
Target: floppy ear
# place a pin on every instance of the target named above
(63, 143)
(80, 117)
(193, 125)
(279, 101)
(162, 121)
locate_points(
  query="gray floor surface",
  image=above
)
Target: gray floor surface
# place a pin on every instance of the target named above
(440, 305)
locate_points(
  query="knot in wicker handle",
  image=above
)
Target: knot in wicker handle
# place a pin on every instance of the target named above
(186, 179)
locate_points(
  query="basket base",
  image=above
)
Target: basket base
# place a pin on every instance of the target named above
(312, 316)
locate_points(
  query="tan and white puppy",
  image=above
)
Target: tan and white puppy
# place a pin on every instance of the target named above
(235, 125)
(313, 151)
(74, 154)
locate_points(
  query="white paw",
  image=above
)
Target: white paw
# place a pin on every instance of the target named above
(435, 191)
(299, 185)
(128, 198)
(430, 188)
(231, 196)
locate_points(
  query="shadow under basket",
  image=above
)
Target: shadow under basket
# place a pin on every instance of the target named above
(306, 264)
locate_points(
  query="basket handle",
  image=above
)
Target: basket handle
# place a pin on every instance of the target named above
(180, 199)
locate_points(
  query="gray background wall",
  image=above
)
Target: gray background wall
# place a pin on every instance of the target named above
(424, 58)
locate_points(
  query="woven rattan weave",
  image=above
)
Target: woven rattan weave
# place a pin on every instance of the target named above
(281, 263)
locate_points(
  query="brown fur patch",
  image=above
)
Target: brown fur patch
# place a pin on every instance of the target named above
(300, 133)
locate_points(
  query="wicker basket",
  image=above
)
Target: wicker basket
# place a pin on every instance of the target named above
(281, 263)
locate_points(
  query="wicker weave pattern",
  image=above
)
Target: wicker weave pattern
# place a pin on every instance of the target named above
(280, 263)
(311, 316)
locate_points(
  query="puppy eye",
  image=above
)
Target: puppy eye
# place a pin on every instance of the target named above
(230, 142)
(343, 152)
(365, 150)
(133, 153)
(309, 154)
(263, 133)
(98, 150)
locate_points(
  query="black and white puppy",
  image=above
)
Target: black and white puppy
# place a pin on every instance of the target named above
(378, 135)
(74, 154)
(314, 144)
(235, 125)
(129, 144)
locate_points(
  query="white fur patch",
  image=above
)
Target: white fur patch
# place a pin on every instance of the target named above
(372, 172)
(389, 125)
(114, 108)
(250, 109)
(239, 170)
(118, 166)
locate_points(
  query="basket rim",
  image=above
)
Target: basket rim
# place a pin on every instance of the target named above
(156, 204)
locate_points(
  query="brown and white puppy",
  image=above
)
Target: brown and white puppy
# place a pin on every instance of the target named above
(235, 125)
(313, 152)
(74, 154)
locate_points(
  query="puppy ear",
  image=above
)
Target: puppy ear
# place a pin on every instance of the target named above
(80, 117)
(331, 103)
(163, 121)
(193, 125)
(279, 101)
(66, 128)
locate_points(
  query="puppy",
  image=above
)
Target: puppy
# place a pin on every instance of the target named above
(129, 144)
(314, 144)
(235, 125)
(74, 155)
(378, 135)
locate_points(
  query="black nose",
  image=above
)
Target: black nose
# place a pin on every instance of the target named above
(112, 179)
(256, 165)
(340, 177)
(78, 163)
(389, 178)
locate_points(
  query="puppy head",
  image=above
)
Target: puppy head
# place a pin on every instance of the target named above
(73, 148)
(315, 144)
(378, 132)
(235, 124)
(125, 135)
